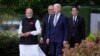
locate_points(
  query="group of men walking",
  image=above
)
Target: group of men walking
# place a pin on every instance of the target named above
(56, 31)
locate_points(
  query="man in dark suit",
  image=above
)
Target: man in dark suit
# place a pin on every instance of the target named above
(46, 20)
(57, 34)
(76, 27)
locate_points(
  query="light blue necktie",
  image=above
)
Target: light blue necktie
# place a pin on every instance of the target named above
(55, 20)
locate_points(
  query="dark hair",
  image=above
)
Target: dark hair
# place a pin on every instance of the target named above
(75, 7)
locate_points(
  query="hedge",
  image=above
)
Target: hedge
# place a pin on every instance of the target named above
(9, 44)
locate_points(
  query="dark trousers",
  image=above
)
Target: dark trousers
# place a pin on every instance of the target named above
(45, 48)
(73, 41)
(56, 49)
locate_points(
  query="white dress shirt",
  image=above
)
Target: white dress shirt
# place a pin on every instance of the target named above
(35, 32)
(74, 18)
(56, 17)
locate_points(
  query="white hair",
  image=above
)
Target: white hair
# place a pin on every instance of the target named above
(58, 5)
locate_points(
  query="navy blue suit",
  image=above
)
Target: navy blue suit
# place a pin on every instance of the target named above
(57, 34)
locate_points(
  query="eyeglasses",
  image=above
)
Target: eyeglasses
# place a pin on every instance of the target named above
(49, 9)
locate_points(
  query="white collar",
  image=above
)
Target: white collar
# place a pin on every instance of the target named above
(75, 18)
(58, 15)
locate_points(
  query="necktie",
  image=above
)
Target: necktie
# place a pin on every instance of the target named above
(55, 20)
(73, 25)
(48, 18)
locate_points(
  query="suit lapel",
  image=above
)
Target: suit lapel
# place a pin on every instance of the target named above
(58, 21)
(48, 18)
(71, 21)
(76, 23)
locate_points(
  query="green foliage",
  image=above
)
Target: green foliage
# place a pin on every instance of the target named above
(66, 10)
(40, 6)
(91, 37)
(85, 12)
(85, 48)
(9, 44)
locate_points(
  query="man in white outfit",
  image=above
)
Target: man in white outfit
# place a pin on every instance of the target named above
(28, 30)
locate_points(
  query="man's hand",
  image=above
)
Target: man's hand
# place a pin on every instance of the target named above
(47, 41)
(41, 40)
(22, 34)
(27, 34)
(64, 43)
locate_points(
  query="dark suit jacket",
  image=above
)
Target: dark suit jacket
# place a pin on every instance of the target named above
(78, 29)
(45, 26)
(58, 33)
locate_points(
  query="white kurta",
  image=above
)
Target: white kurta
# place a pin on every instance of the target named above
(31, 50)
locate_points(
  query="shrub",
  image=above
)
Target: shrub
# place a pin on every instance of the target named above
(8, 44)
(88, 47)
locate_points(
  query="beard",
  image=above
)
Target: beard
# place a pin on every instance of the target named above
(29, 17)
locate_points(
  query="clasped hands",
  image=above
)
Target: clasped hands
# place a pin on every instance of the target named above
(25, 34)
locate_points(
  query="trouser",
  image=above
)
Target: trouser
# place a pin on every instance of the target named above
(73, 41)
(56, 49)
(45, 48)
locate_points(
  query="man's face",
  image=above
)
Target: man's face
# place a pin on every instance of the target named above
(29, 13)
(50, 10)
(56, 9)
(74, 11)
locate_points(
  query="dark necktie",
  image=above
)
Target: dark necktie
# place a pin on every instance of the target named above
(74, 25)
(49, 18)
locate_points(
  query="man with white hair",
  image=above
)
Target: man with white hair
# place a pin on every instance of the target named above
(58, 32)
(28, 30)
